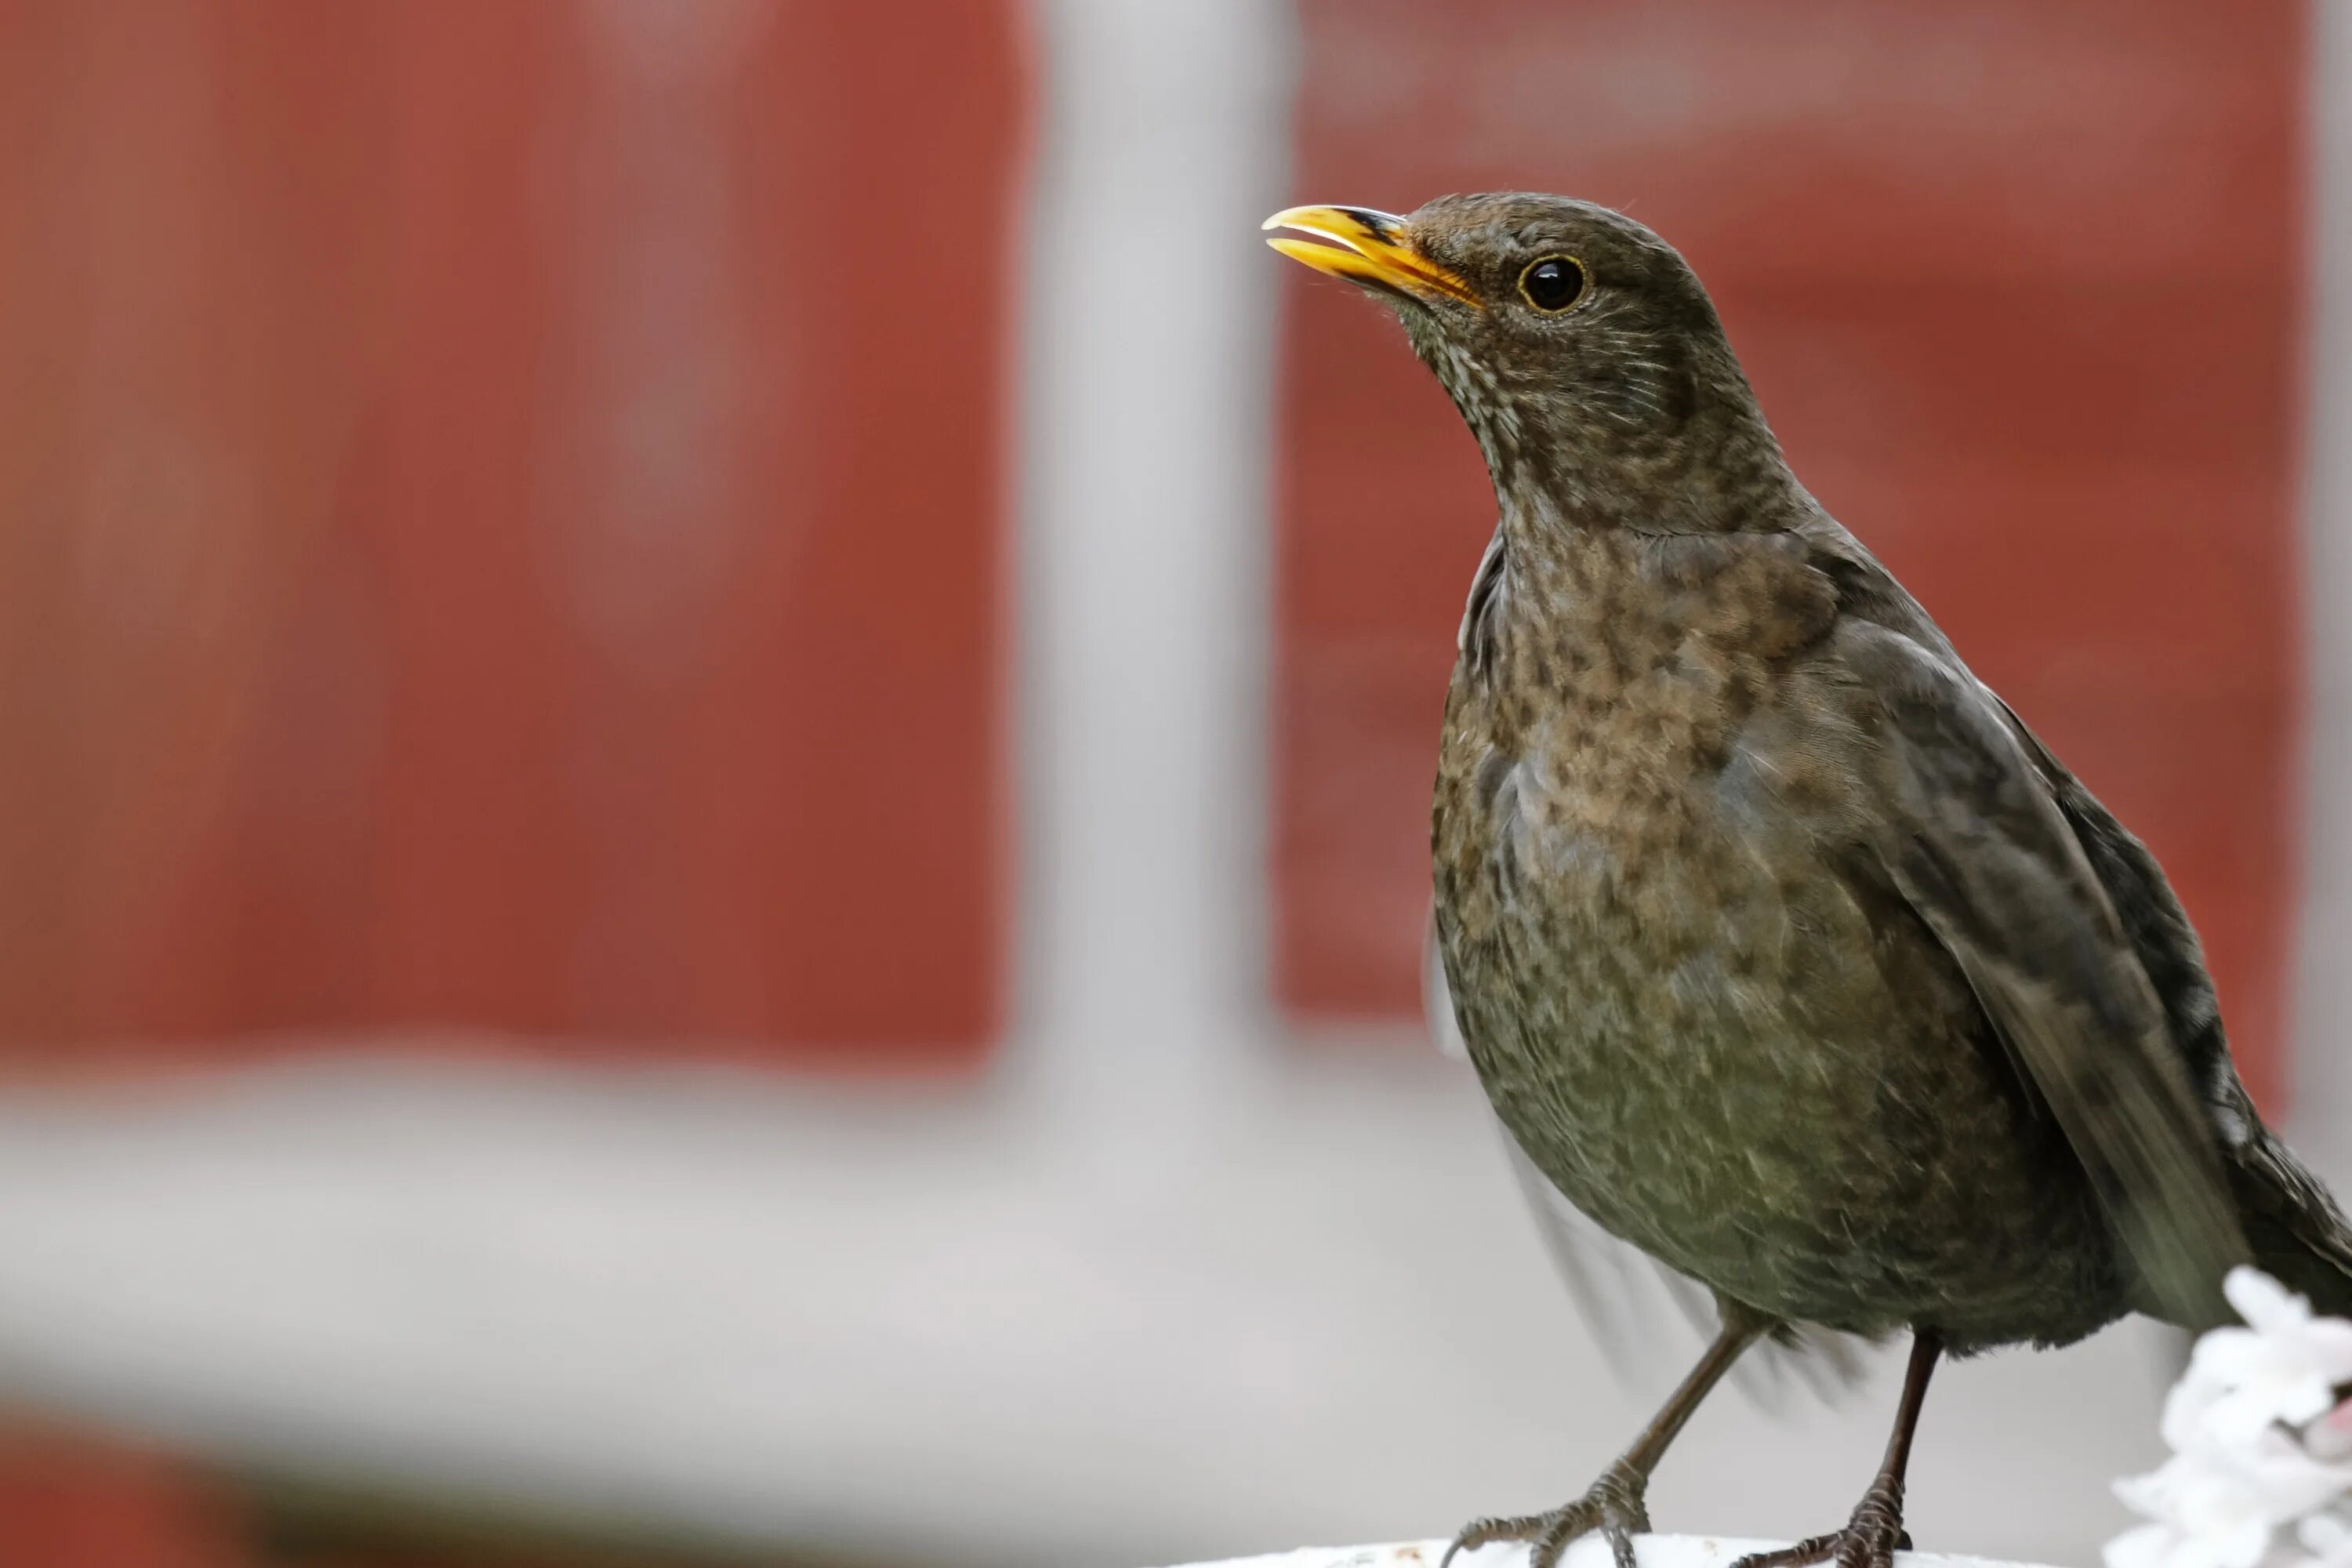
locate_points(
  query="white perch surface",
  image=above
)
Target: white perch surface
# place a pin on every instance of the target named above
(1592, 1551)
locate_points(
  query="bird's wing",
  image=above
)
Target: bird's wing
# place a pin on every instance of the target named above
(1625, 1296)
(1973, 839)
(2170, 953)
(2293, 1226)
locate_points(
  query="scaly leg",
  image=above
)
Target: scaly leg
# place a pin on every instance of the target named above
(1615, 1505)
(1875, 1533)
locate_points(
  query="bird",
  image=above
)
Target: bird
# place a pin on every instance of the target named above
(1782, 948)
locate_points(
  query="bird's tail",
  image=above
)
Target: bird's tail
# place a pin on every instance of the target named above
(2297, 1234)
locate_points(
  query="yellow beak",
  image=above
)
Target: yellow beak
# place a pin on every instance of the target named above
(1368, 248)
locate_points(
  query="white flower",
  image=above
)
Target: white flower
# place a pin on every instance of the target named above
(2283, 1366)
(2203, 1518)
(2328, 1538)
(2141, 1546)
(2213, 1509)
(2330, 1436)
(2290, 1482)
(2257, 1442)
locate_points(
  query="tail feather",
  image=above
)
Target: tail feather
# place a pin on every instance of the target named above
(2298, 1235)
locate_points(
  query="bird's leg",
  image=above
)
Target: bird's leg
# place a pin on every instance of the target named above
(1615, 1506)
(1875, 1533)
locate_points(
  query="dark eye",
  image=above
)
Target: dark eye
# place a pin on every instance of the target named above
(1553, 284)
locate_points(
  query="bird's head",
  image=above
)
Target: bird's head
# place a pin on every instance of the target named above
(1581, 350)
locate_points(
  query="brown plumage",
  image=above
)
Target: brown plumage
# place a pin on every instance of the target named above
(1782, 948)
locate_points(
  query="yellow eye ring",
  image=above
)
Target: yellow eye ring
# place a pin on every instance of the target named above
(1554, 284)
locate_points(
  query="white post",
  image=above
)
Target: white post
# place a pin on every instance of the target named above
(1149, 332)
(2321, 1072)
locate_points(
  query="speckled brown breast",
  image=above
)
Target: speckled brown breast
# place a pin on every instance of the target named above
(1676, 984)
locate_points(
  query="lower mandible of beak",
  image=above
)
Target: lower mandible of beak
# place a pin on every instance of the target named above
(1372, 249)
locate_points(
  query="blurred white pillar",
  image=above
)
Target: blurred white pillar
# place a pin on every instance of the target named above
(2323, 1078)
(1144, 555)
(2323, 1034)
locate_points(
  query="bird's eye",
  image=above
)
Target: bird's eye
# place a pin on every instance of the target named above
(1553, 283)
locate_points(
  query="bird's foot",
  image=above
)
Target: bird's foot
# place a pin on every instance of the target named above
(1615, 1506)
(1870, 1538)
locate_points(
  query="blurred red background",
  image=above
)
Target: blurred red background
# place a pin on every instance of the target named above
(71, 1500)
(504, 521)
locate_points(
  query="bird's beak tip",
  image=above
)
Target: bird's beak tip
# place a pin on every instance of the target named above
(1367, 247)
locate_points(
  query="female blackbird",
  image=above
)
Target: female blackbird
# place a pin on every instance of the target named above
(1782, 948)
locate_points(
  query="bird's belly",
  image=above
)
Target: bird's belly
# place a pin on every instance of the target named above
(1712, 1052)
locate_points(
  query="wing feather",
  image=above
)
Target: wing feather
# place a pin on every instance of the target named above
(1971, 836)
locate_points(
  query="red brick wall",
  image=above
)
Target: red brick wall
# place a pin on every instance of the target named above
(502, 521)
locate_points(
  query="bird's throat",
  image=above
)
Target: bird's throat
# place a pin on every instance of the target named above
(1712, 478)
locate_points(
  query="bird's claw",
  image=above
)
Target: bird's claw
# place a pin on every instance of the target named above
(1870, 1538)
(1615, 1506)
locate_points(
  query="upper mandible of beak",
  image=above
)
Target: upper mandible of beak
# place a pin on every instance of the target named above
(1371, 249)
